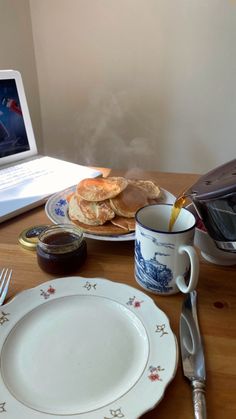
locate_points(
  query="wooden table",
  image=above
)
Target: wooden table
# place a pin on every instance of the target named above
(115, 261)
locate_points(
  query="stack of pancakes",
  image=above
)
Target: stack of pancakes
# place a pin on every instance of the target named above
(107, 206)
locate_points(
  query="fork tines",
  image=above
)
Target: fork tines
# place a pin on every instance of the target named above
(5, 277)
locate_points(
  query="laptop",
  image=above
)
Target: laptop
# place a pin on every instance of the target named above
(27, 179)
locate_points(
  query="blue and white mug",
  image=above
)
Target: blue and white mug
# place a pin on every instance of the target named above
(165, 262)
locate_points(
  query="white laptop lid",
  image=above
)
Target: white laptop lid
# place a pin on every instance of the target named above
(17, 139)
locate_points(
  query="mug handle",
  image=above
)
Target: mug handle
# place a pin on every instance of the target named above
(194, 262)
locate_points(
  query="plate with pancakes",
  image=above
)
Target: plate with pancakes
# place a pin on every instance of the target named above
(105, 208)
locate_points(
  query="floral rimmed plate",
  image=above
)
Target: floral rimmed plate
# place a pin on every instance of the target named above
(86, 348)
(56, 209)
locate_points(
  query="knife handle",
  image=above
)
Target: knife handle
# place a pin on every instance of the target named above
(199, 401)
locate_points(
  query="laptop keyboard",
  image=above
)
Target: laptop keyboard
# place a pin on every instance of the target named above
(14, 175)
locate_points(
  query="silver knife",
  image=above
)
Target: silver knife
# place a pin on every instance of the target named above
(192, 354)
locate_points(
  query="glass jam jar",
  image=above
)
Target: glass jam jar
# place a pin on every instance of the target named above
(61, 249)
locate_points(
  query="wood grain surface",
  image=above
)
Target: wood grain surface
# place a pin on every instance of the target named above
(115, 261)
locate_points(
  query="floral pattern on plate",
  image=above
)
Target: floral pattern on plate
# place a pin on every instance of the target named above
(84, 313)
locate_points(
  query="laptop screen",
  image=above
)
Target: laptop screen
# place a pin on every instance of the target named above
(16, 133)
(13, 137)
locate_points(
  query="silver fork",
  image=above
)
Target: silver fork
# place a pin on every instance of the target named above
(5, 277)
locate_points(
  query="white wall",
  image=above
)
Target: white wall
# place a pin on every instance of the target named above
(124, 83)
(17, 52)
(148, 83)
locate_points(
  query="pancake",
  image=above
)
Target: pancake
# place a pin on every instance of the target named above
(127, 203)
(107, 206)
(68, 198)
(127, 224)
(99, 212)
(91, 213)
(150, 187)
(100, 189)
(75, 212)
(107, 229)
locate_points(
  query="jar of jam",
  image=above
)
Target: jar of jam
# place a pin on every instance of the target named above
(61, 249)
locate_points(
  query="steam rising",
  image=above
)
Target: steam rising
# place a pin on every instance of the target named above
(112, 132)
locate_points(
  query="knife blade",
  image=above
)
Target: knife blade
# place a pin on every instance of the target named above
(192, 353)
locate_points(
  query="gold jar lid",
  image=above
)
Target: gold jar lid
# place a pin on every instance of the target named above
(28, 238)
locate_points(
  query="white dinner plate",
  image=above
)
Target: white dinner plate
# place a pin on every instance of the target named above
(85, 348)
(56, 209)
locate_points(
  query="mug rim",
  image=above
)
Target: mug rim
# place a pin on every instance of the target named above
(155, 230)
